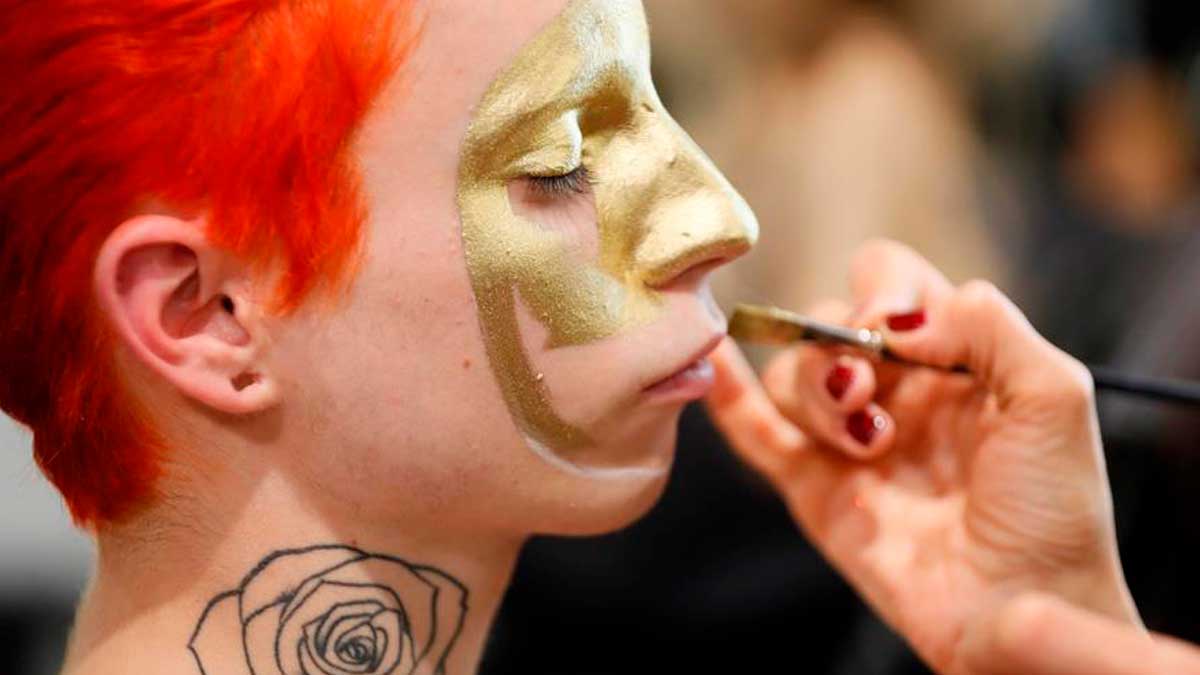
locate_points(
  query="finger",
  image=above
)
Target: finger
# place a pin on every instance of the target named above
(769, 442)
(797, 382)
(889, 279)
(831, 397)
(841, 383)
(1042, 635)
(978, 328)
(892, 285)
(742, 411)
(871, 431)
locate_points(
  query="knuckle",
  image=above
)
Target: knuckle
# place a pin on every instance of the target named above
(980, 295)
(1078, 377)
(1069, 380)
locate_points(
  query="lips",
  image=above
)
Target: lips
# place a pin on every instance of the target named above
(690, 380)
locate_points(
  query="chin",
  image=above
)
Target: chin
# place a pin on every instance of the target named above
(620, 512)
(601, 501)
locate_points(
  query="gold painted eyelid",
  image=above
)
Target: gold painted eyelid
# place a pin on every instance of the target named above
(523, 168)
(540, 162)
(553, 172)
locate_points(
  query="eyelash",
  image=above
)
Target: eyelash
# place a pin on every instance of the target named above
(576, 182)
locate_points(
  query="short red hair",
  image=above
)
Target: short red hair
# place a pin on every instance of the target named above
(243, 110)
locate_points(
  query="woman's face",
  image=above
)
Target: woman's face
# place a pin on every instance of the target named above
(532, 311)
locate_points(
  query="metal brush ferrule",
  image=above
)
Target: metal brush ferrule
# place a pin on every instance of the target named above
(774, 326)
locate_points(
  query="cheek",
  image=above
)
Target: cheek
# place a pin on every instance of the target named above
(396, 371)
(599, 385)
(416, 327)
(584, 383)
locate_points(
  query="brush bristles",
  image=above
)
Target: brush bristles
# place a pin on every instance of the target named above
(765, 325)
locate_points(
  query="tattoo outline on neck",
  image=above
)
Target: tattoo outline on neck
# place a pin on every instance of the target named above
(332, 610)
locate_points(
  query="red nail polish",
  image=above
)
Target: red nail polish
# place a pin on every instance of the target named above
(839, 381)
(864, 427)
(906, 322)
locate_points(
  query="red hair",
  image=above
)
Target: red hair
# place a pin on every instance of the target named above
(243, 110)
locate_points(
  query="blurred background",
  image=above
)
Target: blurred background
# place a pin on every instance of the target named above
(1048, 145)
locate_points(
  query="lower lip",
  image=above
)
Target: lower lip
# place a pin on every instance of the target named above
(689, 384)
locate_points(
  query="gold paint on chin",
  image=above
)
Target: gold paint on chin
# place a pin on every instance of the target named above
(580, 91)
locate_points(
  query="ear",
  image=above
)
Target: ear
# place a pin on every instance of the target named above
(185, 309)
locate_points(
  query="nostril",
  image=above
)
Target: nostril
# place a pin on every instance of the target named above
(690, 269)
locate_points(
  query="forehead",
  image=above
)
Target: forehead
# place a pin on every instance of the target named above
(562, 58)
(467, 48)
(594, 56)
(589, 39)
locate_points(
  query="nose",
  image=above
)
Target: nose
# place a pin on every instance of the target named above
(697, 220)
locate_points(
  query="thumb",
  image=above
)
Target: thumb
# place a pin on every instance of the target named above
(888, 278)
(978, 328)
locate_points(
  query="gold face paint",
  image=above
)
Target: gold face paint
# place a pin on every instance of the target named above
(580, 93)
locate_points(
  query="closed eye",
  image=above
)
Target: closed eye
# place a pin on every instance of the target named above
(576, 182)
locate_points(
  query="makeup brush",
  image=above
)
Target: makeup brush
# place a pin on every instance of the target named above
(773, 326)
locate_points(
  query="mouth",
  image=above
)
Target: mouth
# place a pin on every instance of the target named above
(690, 381)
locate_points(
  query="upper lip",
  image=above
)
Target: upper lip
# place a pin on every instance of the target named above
(709, 346)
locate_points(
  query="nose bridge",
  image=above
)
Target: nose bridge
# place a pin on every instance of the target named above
(696, 217)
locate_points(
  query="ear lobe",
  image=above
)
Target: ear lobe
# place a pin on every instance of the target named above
(180, 304)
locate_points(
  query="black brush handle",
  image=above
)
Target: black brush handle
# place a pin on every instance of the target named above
(1108, 379)
(1157, 388)
(770, 325)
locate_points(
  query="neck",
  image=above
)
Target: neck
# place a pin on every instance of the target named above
(278, 587)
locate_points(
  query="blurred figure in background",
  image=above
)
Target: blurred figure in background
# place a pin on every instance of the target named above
(1109, 173)
(1111, 268)
(837, 127)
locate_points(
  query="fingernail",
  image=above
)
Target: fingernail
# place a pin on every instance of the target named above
(906, 322)
(839, 381)
(864, 427)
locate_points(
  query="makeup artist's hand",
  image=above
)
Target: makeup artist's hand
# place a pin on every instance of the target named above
(938, 496)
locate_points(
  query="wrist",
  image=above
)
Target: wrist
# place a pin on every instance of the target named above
(1116, 602)
(1104, 592)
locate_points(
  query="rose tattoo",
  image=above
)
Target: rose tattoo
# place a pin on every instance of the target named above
(332, 610)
